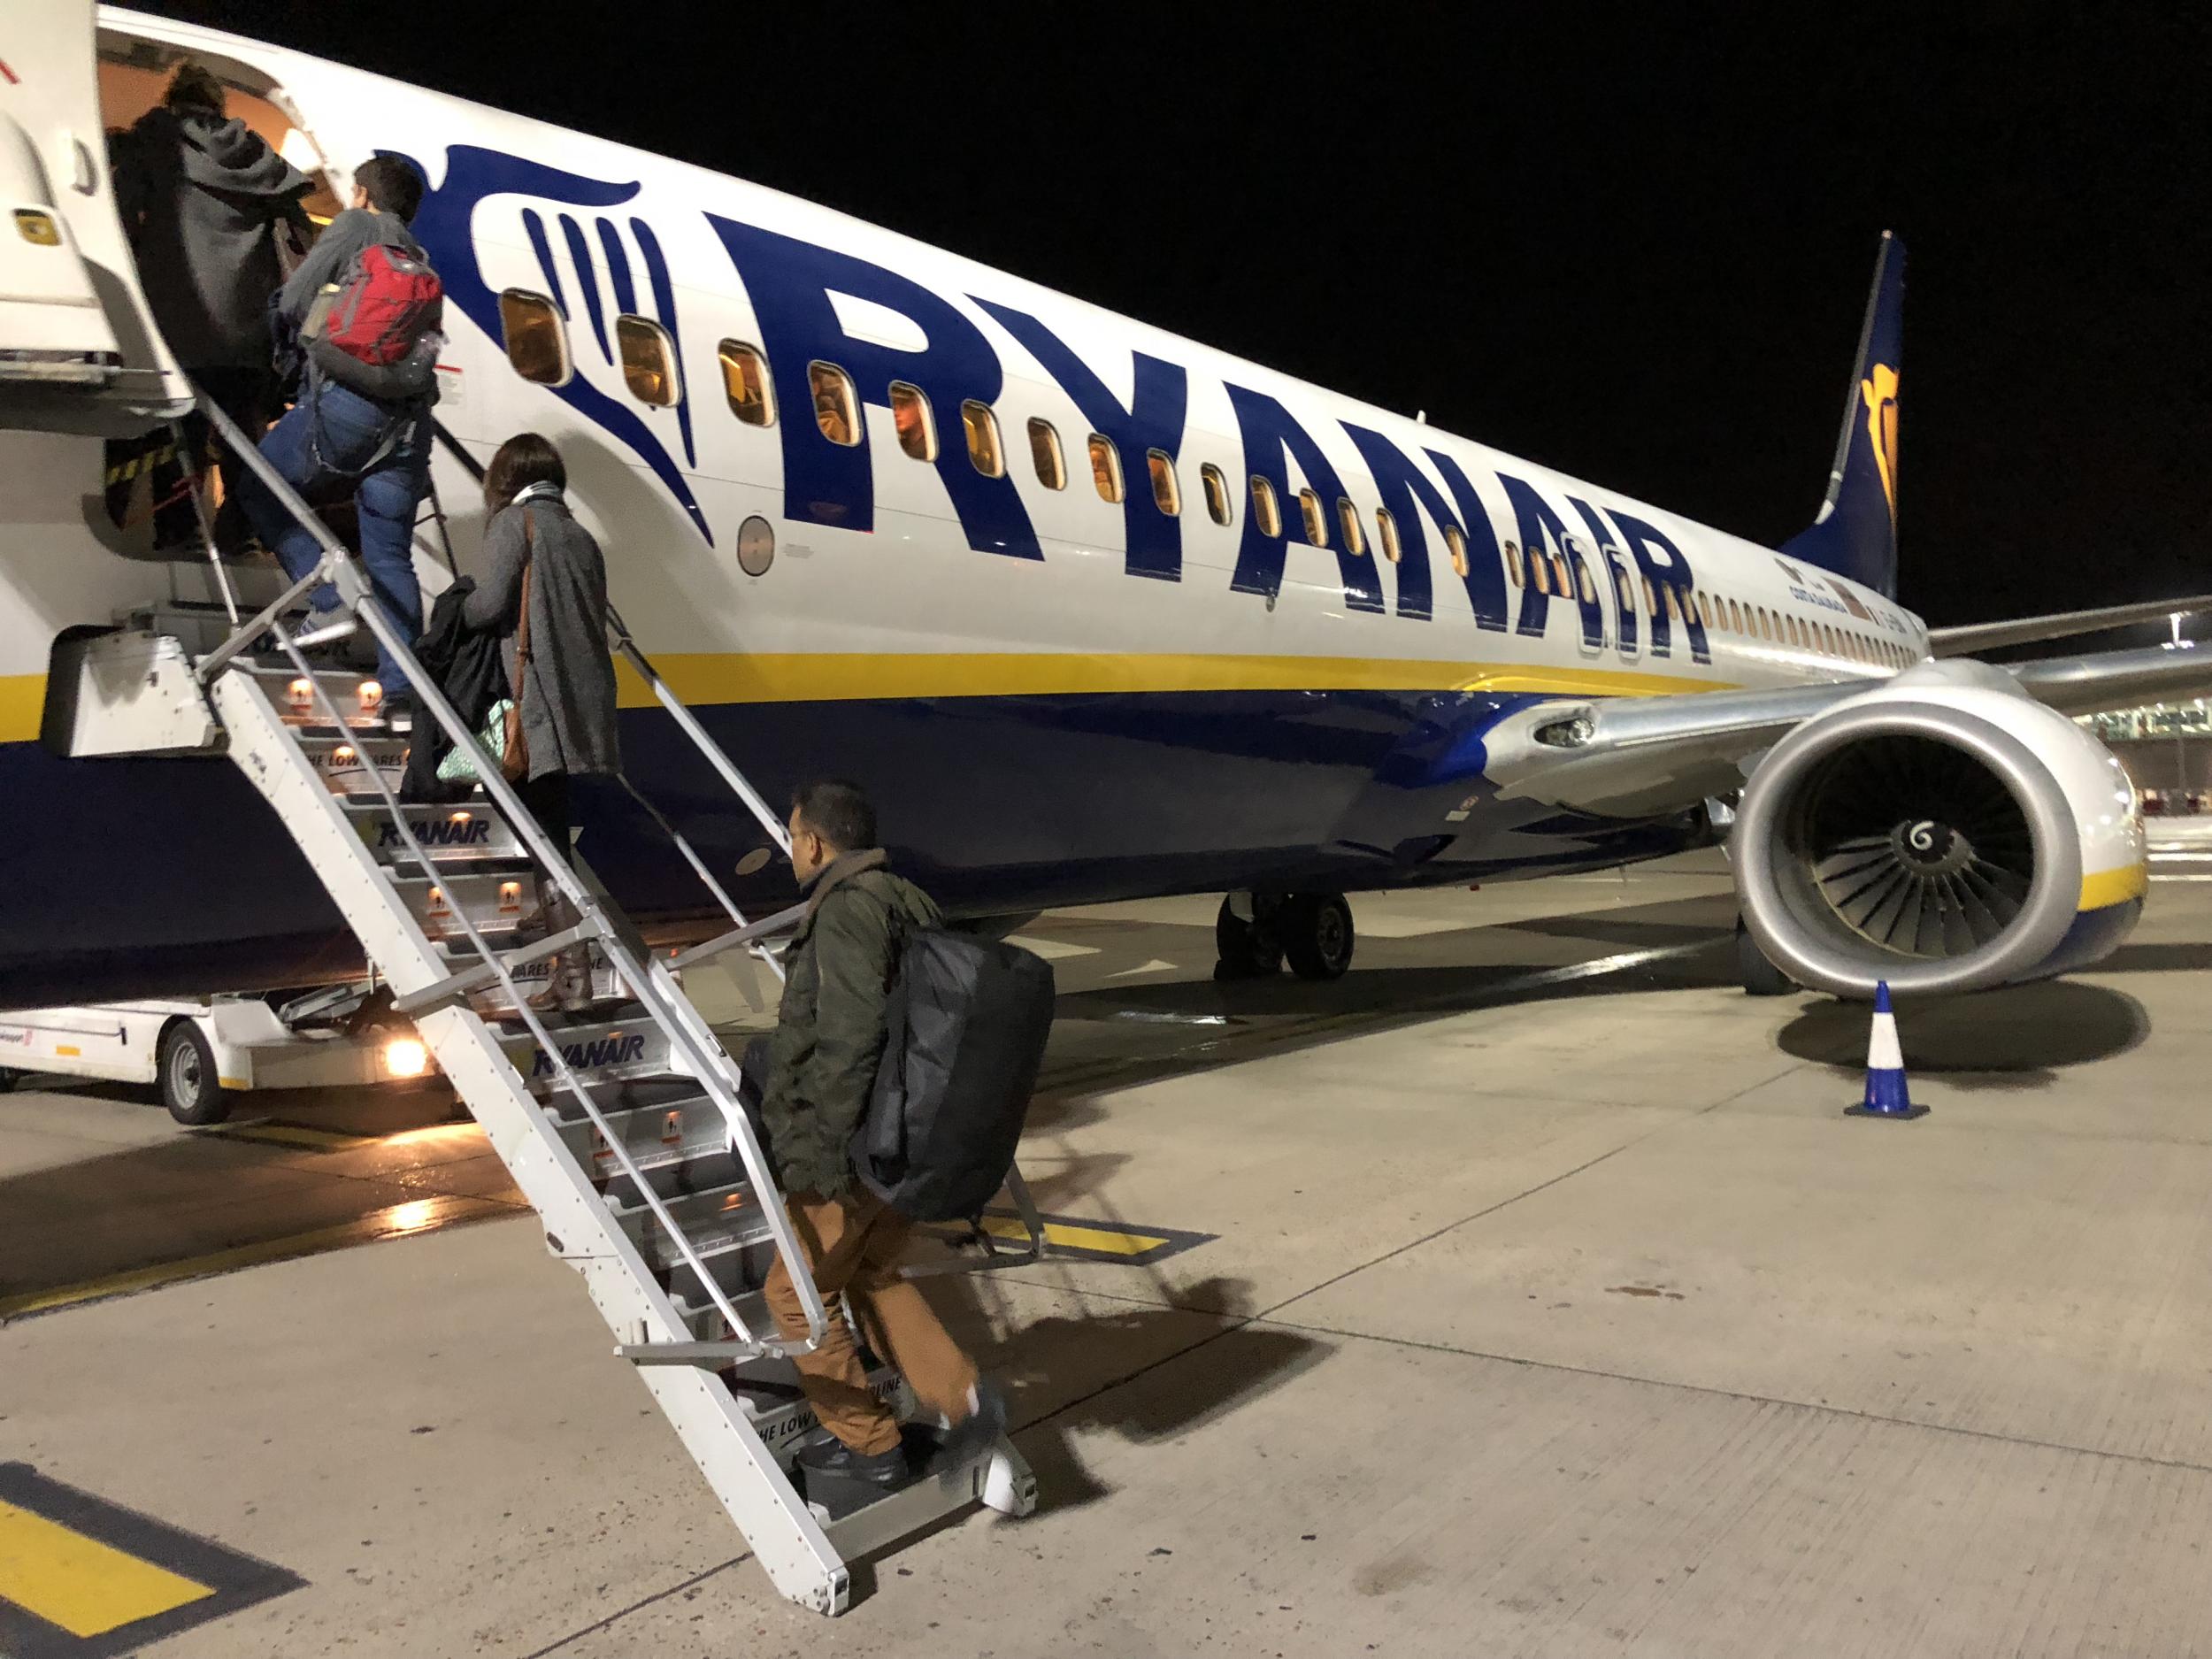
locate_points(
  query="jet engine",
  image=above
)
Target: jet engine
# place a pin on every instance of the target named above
(1945, 833)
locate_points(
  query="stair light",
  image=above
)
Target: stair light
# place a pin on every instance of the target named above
(405, 1056)
(343, 755)
(301, 694)
(370, 694)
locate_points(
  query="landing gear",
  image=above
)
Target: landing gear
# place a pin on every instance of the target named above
(1760, 977)
(1255, 933)
(1245, 943)
(189, 1086)
(1316, 929)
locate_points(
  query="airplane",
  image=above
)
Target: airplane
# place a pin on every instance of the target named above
(1094, 612)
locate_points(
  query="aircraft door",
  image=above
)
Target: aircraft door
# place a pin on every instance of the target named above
(1629, 624)
(77, 349)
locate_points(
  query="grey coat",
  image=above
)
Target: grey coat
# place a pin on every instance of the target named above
(343, 237)
(568, 692)
(204, 201)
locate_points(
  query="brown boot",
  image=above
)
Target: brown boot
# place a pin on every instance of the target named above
(567, 984)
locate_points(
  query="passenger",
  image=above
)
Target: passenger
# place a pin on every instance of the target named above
(537, 551)
(207, 206)
(335, 436)
(829, 413)
(820, 1069)
(906, 415)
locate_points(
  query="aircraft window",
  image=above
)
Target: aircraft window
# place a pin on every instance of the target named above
(1044, 450)
(537, 344)
(1540, 571)
(1584, 585)
(1513, 563)
(1386, 534)
(1317, 524)
(745, 383)
(1674, 603)
(1559, 574)
(649, 361)
(983, 447)
(1759, 618)
(909, 413)
(1217, 488)
(1796, 632)
(1167, 494)
(1456, 544)
(1354, 538)
(1735, 618)
(834, 410)
(1651, 599)
(1105, 468)
(1264, 508)
(1833, 641)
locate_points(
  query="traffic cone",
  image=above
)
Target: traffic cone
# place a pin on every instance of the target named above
(1885, 1094)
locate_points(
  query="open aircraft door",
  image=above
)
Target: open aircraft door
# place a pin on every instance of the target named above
(78, 351)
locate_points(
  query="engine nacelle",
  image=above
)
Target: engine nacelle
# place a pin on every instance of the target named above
(1945, 833)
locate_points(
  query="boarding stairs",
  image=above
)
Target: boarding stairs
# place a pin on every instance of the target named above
(624, 1127)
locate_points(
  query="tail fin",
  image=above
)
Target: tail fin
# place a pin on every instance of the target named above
(1855, 534)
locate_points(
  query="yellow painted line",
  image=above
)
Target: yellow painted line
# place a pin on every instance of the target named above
(85, 1586)
(421, 1214)
(292, 1134)
(22, 701)
(1075, 1238)
(2115, 886)
(828, 676)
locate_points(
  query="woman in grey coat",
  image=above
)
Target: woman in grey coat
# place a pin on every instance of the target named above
(568, 713)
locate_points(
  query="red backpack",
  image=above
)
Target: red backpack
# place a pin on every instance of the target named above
(386, 301)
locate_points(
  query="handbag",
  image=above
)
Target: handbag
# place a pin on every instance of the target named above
(501, 736)
(514, 752)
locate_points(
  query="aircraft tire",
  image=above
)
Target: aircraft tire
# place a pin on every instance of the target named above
(189, 1086)
(9, 1078)
(1243, 949)
(1760, 977)
(1317, 934)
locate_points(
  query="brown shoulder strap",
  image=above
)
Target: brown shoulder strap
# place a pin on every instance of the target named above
(522, 632)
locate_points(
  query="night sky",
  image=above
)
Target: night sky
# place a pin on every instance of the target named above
(1639, 257)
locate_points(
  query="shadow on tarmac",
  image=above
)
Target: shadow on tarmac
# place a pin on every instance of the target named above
(2016, 1038)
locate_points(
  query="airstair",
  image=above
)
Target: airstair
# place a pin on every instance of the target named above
(623, 1127)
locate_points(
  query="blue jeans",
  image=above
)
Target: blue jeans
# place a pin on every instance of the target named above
(326, 439)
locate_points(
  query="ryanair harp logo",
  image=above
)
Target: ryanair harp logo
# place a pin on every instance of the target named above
(1878, 392)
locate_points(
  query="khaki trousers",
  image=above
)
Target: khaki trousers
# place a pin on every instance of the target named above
(854, 1245)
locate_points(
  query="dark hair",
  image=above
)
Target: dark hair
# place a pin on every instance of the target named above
(393, 187)
(194, 86)
(838, 812)
(523, 460)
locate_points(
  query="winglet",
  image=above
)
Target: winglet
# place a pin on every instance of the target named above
(1855, 534)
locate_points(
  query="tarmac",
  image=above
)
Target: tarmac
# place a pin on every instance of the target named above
(1525, 1292)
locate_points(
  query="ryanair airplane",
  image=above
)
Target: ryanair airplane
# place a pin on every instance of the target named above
(1094, 612)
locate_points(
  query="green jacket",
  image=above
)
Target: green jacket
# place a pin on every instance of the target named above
(830, 1029)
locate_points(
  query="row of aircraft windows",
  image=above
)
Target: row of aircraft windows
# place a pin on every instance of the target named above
(537, 346)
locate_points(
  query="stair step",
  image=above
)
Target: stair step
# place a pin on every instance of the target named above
(713, 1173)
(530, 977)
(717, 1223)
(348, 763)
(597, 1050)
(706, 1324)
(782, 1418)
(494, 901)
(358, 697)
(472, 833)
(673, 1121)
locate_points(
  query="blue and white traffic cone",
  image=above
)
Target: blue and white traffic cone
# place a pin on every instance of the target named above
(1886, 1092)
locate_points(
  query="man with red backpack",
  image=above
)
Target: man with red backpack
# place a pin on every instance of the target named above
(360, 321)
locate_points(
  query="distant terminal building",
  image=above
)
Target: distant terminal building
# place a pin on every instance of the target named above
(2166, 749)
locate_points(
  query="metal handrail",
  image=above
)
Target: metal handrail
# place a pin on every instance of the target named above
(648, 981)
